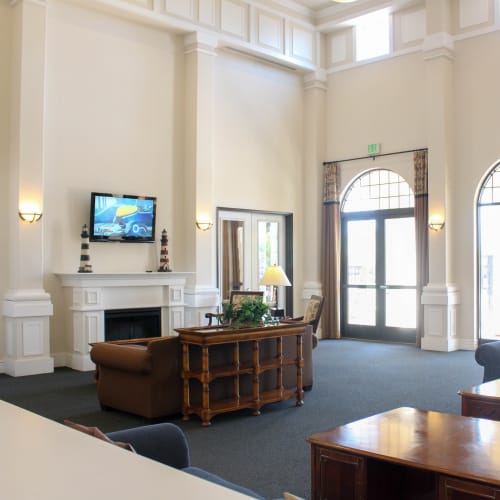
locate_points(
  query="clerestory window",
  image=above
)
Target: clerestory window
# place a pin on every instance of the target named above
(372, 35)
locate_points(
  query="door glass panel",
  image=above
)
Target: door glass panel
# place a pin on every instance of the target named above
(489, 271)
(361, 309)
(232, 257)
(268, 238)
(400, 308)
(400, 263)
(361, 252)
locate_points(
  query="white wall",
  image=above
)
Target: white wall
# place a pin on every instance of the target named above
(112, 123)
(5, 16)
(258, 143)
(385, 102)
(477, 148)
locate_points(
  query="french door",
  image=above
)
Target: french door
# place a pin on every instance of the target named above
(249, 242)
(378, 278)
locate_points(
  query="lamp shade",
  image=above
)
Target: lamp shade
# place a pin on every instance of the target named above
(275, 276)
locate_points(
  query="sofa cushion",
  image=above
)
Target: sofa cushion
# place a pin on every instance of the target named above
(96, 432)
(195, 471)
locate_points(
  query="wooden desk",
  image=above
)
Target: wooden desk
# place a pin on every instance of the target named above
(44, 460)
(482, 401)
(207, 337)
(407, 454)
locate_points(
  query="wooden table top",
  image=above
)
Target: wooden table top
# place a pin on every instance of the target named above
(484, 391)
(206, 335)
(451, 444)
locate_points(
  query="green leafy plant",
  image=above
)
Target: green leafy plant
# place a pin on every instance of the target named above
(250, 312)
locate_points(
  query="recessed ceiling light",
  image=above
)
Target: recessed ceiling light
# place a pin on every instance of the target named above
(344, 1)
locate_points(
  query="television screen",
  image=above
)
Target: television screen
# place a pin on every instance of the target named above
(122, 218)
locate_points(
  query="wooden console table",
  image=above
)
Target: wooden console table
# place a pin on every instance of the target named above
(205, 338)
(482, 401)
(407, 454)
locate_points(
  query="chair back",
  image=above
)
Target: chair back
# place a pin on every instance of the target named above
(312, 313)
(239, 295)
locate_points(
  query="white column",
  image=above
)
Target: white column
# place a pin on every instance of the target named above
(202, 295)
(440, 297)
(26, 306)
(315, 86)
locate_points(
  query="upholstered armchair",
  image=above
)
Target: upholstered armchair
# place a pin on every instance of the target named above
(140, 376)
(167, 443)
(312, 315)
(488, 356)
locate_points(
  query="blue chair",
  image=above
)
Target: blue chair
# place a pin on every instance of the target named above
(166, 443)
(488, 355)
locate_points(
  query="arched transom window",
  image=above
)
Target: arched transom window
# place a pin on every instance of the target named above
(378, 190)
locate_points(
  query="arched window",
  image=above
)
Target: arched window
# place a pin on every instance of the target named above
(378, 190)
(488, 214)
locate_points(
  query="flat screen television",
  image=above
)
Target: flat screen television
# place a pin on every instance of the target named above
(124, 217)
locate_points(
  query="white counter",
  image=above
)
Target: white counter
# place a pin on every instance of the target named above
(44, 460)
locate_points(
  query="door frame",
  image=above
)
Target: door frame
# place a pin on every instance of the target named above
(365, 332)
(287, 250)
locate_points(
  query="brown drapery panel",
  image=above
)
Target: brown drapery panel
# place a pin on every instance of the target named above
(421, 234)
(330, 253)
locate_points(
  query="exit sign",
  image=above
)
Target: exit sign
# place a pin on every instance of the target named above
(373, 149)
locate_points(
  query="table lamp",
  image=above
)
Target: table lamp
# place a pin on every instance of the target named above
(275, 277)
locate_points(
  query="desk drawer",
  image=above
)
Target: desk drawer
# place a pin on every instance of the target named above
(473, 407)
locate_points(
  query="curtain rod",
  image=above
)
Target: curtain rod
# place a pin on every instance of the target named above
(375, 156)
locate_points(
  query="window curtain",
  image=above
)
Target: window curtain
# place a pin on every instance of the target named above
(330, 252)
(421, 234)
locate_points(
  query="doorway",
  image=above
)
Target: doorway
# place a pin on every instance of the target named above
(247, 243)
(378, 259)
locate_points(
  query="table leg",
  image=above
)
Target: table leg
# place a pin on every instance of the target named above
(300, 365)
(185, 378)
(256, 376)
(205, 383)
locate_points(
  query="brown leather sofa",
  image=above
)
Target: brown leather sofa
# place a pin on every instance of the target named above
(142, 376)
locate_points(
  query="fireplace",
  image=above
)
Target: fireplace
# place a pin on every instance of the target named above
(124, 324)
(90, 295)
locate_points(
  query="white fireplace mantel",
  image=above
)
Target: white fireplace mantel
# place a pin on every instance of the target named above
(89, 295)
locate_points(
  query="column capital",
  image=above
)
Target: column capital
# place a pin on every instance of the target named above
(316, 80)
(438, 45)
(200, 41)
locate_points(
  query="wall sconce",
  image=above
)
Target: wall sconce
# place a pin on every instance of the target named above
(30, 213)
(204, 225)
(436, 222)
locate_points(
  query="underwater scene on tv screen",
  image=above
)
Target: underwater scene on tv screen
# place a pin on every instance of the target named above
(124, 218)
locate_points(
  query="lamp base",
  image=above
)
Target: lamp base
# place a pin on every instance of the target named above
(276, 312)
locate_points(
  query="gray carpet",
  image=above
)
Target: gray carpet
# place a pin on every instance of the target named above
(269, 454)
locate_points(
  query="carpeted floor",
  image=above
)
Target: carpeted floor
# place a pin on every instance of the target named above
(269, 454)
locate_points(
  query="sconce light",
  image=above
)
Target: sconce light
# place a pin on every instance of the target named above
(204, 225)
(436, 222)
(30, 213)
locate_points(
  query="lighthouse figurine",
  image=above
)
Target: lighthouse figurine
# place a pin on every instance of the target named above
(85, 265)
(164, 263)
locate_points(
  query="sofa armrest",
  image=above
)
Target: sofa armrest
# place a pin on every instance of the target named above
(164, 442)
(122, 357)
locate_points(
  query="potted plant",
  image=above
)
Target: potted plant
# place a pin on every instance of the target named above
(248, 313)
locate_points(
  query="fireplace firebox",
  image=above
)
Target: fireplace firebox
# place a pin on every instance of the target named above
(124, 324)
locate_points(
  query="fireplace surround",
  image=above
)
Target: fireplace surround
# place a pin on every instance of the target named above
(89, 295)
